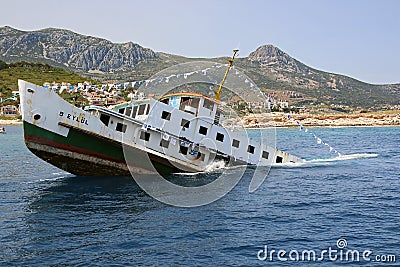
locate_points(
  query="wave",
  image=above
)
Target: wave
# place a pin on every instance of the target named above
(346, 157)
(50, 179)
(325, 161)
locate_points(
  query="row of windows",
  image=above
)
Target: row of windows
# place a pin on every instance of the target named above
(134, 111)
(219, 137)
(185, 123)
(165, 143)
(165, 115)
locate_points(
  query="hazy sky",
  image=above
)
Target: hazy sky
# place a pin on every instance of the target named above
(358, 38)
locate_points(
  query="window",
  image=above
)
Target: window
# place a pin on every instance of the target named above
(120, 127)
(279, 159)
(105, 119)
(141, 109)
(235, 143)
(189, 104)
(144, 136)
(166, 115)
(250, 149)
(121, 110)
(183, 150)
(128, 111)
(147, 109)
(135, 108)
(203, 130)
(189, 101)
(265, 154)
(185, 123)
(164, 143)
(208, 104)
(220, 137)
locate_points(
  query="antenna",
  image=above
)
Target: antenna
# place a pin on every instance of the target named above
(230, 63)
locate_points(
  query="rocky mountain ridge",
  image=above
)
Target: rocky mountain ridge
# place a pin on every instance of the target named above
(71, 50)
(268, 66)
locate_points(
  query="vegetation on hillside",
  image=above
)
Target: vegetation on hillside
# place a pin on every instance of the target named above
(36, 73)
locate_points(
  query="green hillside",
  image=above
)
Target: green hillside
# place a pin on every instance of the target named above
(36, 73)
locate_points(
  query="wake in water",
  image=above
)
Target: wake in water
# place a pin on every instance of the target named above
(313, 162)
(220, 166)
(346, 157)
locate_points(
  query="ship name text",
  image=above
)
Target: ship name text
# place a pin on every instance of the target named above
(80, 119)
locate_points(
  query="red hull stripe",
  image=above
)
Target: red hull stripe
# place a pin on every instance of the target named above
(44, 141)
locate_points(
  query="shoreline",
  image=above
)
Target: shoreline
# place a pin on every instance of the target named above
(15, 122)
(321, 120)
(318, 126)
(281, 120)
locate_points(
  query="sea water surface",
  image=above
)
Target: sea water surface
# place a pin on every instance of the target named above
(51, 218)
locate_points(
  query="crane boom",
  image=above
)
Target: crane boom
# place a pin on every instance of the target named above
(230, 63)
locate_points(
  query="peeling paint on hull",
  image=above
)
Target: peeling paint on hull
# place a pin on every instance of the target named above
(85, 155)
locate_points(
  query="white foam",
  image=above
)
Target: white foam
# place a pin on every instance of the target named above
(346, 157)
(215, 166)
(46, 180)
(324, 161)
(289, 164)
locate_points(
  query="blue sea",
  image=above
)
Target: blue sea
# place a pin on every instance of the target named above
(350, 203)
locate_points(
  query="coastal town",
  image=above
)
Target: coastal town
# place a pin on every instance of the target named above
(273, 110)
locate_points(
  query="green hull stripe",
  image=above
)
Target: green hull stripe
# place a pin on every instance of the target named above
(77, 139)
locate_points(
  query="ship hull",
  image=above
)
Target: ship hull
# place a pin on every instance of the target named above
(85, 154)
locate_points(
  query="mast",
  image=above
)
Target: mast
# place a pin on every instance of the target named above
(230, 63)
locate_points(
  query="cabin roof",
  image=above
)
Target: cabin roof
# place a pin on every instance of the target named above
(190, 94)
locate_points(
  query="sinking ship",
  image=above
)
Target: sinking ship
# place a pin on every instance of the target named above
(178, 132)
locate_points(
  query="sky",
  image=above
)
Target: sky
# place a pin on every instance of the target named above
(357, 38)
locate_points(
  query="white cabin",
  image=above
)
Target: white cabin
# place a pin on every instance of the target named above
(186, 127)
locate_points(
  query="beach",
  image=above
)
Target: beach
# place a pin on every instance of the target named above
(321, 120)
(10, 122)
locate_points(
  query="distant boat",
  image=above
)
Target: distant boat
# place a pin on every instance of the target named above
(179, 132)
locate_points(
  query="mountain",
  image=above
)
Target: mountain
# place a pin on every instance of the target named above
(268, 66)
(272, 68)
(66, 48)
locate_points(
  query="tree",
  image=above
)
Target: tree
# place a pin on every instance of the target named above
(3, 65)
